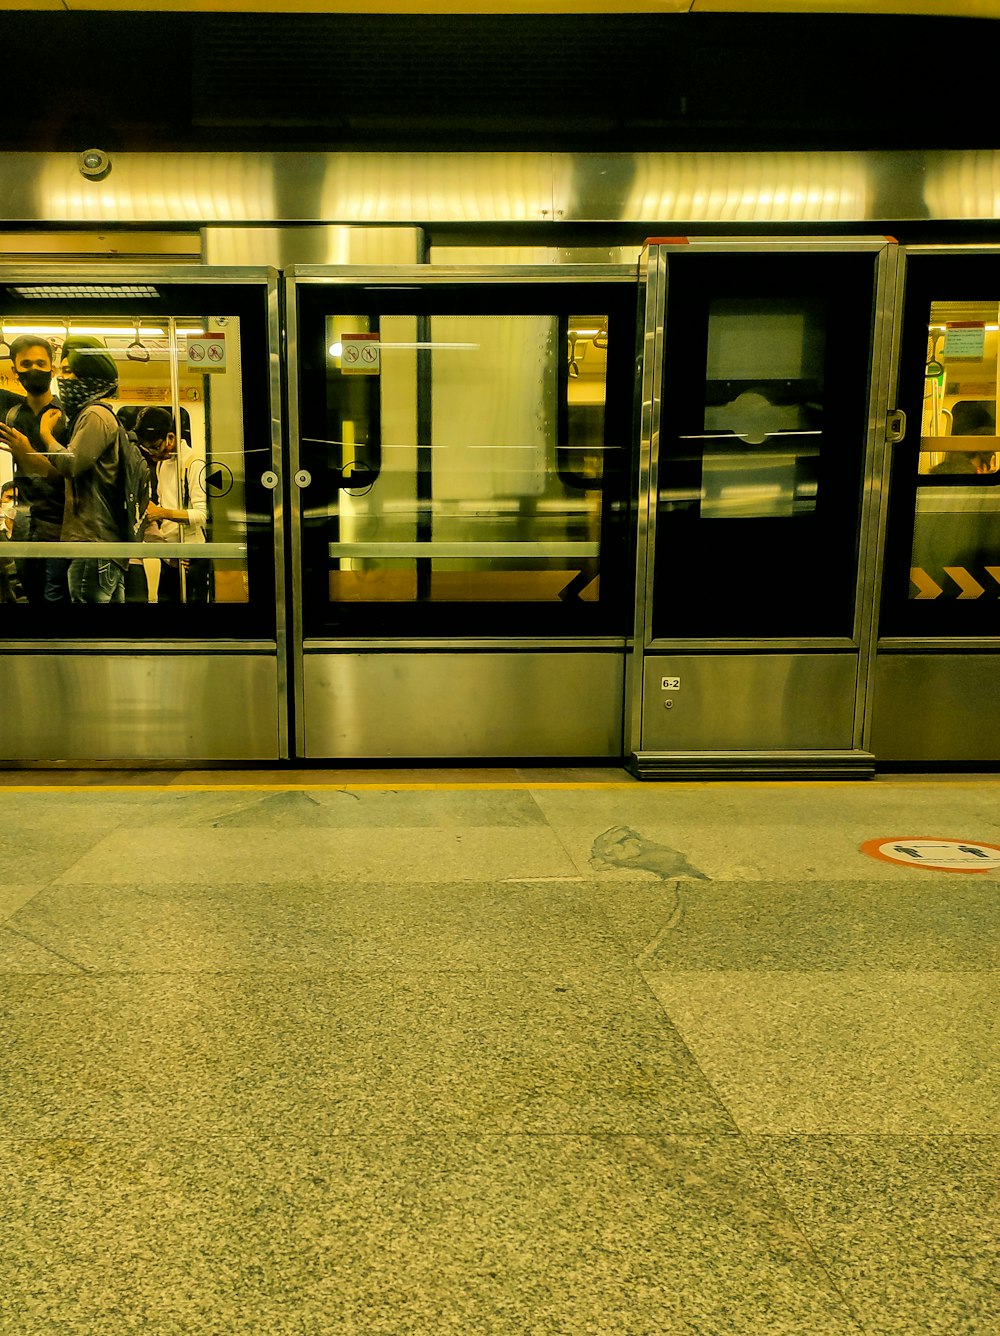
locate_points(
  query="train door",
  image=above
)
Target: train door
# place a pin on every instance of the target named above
(162, 642)
(460, 450)
(936, 683)
(762, 437)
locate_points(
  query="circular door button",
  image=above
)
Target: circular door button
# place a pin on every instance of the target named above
(303, 478)
(269, 480)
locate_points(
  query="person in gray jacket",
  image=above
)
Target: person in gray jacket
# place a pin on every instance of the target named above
(89, 464)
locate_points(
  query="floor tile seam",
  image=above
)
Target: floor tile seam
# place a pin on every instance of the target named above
(267, 1138)
(679, 1037)
(818, 1247)
(614, 969)
(8, 927)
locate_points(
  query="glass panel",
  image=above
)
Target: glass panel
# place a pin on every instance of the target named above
(468, 464)
(103, 412)
(762, 446)
(956, 530)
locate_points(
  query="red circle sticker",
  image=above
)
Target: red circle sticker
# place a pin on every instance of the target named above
(935, 854)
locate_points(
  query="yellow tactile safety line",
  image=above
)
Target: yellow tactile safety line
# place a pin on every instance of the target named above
(386, 786)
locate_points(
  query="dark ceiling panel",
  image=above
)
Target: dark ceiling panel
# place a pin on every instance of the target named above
(585, 81)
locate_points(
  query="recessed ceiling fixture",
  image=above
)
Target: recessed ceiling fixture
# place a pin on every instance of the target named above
(117, 291)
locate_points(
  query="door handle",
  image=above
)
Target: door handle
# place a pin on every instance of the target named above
(895, 426)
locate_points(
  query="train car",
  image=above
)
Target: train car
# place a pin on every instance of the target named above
(472, 456)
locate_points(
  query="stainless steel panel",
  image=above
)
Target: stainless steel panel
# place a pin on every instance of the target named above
(400, 706)
(753, 765)
(140, 707)
(749, 702)
(936, 707)
(305, 244)
(227, 189)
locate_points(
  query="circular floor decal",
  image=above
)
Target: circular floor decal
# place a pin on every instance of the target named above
(938, 855)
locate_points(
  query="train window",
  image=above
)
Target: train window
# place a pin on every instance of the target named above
(943, 558)
(762, 443)
(472, 464)
(99, 405)
(956, 530)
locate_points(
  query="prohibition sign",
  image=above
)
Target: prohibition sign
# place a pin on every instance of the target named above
(935, 854)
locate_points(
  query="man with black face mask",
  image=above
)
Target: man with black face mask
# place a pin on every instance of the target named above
(90, 462)
(43, 580)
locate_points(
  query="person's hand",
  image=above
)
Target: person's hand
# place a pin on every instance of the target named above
(51, 419)
(155, 512)
(13, 440)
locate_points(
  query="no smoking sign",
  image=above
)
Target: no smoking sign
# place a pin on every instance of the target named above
(938, 855)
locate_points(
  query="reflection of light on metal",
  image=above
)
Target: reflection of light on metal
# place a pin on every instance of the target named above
(749, 187)
(963, 185)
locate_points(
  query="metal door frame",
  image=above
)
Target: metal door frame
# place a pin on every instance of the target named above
(886, 319)
(423, 276)
(114, 652)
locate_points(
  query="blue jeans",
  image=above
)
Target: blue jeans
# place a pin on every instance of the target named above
(92, 580)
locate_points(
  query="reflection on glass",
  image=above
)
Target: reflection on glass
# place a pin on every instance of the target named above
(73, 394)
(464, 462)
(763, 409)
(956, 532)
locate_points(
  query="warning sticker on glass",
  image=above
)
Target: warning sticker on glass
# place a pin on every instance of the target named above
(360, 355)
(938, 855)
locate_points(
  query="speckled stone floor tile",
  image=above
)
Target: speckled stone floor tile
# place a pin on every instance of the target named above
(15, 897)
(844, 1052)
(751, 832)
(343, 925)
(945, 922)
(906, 1226)
(22, 955)
(211, 857)
(229, 1054)
(506, 1236)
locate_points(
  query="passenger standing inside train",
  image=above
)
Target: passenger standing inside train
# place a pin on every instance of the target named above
(11, 590)
(44, 579)
(91, 464)
(178, 507)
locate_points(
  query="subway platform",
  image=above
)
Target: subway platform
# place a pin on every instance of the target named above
(521, 1052)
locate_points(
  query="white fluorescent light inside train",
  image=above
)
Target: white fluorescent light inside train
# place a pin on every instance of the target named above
(100, 331)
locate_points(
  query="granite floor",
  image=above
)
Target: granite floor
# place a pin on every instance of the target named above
(521, 1052)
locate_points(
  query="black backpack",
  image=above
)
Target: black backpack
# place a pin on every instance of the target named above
(134, 486)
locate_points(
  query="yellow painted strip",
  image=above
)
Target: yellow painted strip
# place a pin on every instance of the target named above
(386, 787)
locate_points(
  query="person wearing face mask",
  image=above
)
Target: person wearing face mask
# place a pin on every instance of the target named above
(44, 579)
(11, 590)
(90, 463)
(178, 509)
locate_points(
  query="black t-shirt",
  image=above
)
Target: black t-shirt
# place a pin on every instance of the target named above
(9, 400)
(45, 496)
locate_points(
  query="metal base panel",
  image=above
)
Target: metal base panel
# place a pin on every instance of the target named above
(748, 703)
(752, 765)
(398, 705)
(87, 707)
(936, 707)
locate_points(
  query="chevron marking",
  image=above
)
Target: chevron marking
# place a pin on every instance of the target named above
(970, 588)
(928, 587)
